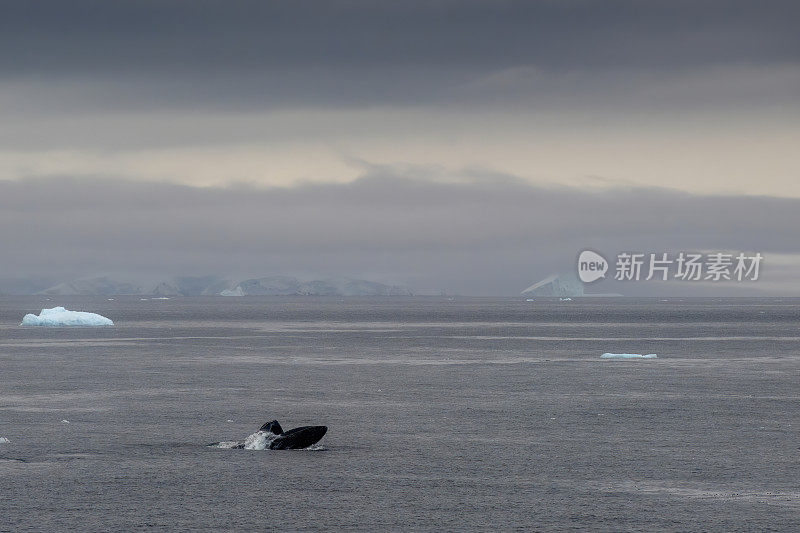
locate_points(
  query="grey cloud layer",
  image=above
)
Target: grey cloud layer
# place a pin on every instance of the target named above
(664, 92)
(479, 236)
(253, 53)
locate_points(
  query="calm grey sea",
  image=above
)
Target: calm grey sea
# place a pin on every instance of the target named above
(453, 414)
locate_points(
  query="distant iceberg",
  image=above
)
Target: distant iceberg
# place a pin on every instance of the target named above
(58, 316)
(628, 356)
(235, 292)
(558, 285)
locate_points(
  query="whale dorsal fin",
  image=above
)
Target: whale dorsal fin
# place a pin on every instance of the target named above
(272, 427)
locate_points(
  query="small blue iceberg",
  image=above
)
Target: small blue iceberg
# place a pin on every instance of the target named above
(58, 316)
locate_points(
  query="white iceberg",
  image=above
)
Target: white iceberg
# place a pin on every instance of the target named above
(235, 292)
(628, 356)
(58, 316)
(4, 440)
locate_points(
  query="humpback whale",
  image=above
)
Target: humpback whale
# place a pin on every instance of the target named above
(271, 436)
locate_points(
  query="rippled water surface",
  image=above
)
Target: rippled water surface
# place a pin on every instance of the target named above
(462, 414)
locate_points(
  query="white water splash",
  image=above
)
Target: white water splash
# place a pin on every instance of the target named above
(4, 440)
(227, 445)
(260, 440)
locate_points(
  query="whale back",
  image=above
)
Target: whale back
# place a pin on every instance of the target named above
(298, 438)
(272, 427)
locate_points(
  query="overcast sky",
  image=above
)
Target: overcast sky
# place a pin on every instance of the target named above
(471, 146)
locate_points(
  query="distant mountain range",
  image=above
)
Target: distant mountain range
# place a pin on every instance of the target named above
(213, 285)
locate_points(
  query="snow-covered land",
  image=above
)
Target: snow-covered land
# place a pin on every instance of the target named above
(211, 286)
(289, 286)
(58, 316)
(92, 286)
(628, 356)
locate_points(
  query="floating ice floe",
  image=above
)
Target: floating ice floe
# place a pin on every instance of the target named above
(58, 316)
(628, 356)
(4, 440)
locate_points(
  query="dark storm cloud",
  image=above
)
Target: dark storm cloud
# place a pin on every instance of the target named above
(157, 34)
(366, 52)
(482, 235)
